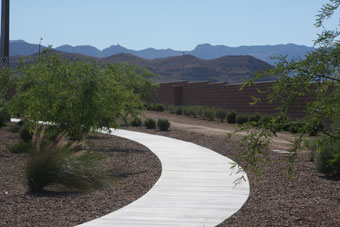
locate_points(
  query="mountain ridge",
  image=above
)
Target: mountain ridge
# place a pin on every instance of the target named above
(203, 51)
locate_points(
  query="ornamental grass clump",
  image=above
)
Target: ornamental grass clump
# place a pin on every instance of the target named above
(150, 123)
(163, 124)
(64, 164)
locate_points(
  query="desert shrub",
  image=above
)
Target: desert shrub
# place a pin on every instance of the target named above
(293, 128)
(163, 124)
(327, 156)
(221, 114)
(314, 129)
(200, 111)
(79, 97)
(171, 109)
(51, 132)
(4, 118)
(149, 106)
(191, 111)
(186, 111)
(136, 122)
(58, 163)
(231, 117)
(179, 110)
(241, 119)
(209, 114)
(159, 107)
(26, 131)
(150, 123)
(256, 117)
(21, 147)
(21, 123)
(14, 128)
(265, 121)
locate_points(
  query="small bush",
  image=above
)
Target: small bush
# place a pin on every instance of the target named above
(256, 117)
(186, 111)
(26, 132)
(293, 128)
(171, 109)
(200, 111)
(265, 121)
(327, 156)
(192, 111)
(4, 118)
(21, 123)
(158, 107)
(221, 114)
(21, 147)
(315, 129)
(58, 163)
(231, 117)
(150, 123)
(163, 124)
(179, 110)
(209, 114)
(136, 122)
(241, 119)
(14, 128)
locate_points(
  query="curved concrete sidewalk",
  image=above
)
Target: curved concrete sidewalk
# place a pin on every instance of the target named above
(194, 189)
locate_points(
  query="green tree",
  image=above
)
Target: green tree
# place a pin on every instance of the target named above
(318, 76)
(78, 96)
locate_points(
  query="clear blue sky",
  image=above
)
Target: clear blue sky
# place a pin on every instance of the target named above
(176, 24)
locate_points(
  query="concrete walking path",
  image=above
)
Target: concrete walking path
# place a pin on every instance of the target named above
(194, 189)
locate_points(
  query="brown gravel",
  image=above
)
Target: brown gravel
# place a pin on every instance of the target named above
(135, 167)
(307, 199)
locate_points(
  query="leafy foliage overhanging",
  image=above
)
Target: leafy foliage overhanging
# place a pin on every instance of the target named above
(317, 76)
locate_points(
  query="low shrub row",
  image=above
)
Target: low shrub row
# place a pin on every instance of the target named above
(149, 123)
(232, 117)
(154, 107)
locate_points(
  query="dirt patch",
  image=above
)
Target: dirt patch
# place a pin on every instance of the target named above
(216, 128)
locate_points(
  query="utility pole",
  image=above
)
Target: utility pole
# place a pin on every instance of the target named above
(183, 66)
(40, 46)
(5, 33)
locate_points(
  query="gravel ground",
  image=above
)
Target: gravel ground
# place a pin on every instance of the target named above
(135, 167)
(307, 199)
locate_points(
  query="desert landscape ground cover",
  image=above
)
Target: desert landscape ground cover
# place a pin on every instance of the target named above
(307, 199)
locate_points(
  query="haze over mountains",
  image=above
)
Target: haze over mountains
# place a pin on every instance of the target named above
(202, 51)
(231, 69)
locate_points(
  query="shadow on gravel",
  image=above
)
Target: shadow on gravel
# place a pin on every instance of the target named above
(126, 175)
(122, 151)
(54, 194)
(332, 178)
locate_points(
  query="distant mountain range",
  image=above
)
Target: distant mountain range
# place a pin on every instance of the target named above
(202, 51)
(231, 69)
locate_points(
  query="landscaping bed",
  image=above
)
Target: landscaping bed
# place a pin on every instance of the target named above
(307, 199)
(135, 168)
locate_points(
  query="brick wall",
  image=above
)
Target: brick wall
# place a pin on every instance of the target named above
(222, 95)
